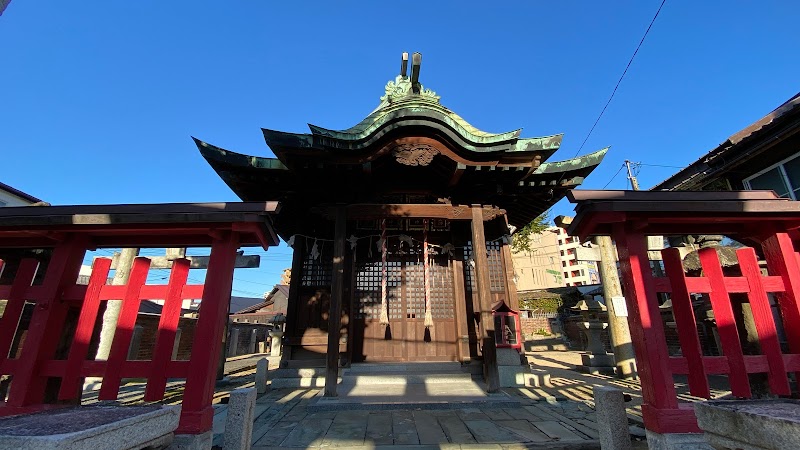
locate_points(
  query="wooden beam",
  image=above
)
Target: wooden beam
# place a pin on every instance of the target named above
(335, 308)
(459, 170)
(483, 288)
(432, 211)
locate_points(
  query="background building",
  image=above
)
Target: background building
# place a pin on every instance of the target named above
(577, 272)
(539, 268)
(14, 197)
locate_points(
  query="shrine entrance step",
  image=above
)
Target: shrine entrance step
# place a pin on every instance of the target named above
(411, 386)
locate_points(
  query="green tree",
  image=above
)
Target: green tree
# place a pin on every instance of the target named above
(521, 240)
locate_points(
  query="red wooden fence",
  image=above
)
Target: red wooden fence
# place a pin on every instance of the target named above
(58, 293)
(661, 410)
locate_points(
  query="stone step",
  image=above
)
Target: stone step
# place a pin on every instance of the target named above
(298, 372)
(306, 382)
(545, 344)
(407, 378)
(420, 367)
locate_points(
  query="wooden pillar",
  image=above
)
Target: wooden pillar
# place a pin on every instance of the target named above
(483, 288)
(196, 412)
(293, 302)
(47, 323)
(512, 299)
(460, 300)
(335, 309)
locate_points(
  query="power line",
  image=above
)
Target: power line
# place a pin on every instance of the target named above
(660, 165)
(615, 176)
(621, 77)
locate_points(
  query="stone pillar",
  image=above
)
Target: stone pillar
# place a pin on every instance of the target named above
(612, 421)
(262, 370)
(136, 342)
(177, 344)
(253, 336)
(276, 336)
(239, 423)
(233, 345)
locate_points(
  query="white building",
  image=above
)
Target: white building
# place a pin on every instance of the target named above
(14, 197)
(577, 272)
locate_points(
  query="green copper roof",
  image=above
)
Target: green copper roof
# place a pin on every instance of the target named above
(580, 162)
(214, 153)
(401, 103)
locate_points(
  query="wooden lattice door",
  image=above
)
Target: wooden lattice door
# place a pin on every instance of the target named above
(405, 338)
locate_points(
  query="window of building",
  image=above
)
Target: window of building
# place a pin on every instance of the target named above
(783, 178)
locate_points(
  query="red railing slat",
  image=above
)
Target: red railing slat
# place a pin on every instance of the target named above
(726, 323)
(167, 326)
(782, 261)
(83, 332)
(765, 326)
(685, 323)
(15, 305)
(125, 323)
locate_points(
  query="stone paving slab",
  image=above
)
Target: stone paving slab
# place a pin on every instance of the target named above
(289, 422)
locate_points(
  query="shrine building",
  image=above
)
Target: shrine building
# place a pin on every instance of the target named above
(400, 227)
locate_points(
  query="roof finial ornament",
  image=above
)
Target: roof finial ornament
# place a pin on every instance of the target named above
(405, 89)
(416, 62)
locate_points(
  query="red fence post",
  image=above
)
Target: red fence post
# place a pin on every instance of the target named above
(660, 409)
(197, 413)
(47, 323)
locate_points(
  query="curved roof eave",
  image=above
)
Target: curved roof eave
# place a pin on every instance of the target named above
(322, 138)
(214, 154)
(376, 119)
(581, 162)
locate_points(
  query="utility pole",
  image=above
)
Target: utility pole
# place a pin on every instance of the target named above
(624, 357)
(631, 177)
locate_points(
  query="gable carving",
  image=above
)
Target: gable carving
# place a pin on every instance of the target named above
(414, 154)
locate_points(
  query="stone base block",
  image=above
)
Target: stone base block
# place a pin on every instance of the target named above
(597, 364)
(677, 441)
(538, 378)
(508, 357)
(750, 424)
(511, 376)
(597, 360)
(192, 441)
(106, 427)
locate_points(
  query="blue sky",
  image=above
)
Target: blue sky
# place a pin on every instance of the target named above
(99, 99)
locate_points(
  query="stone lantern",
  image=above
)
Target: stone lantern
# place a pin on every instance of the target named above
(276, 334)
(595, 360)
